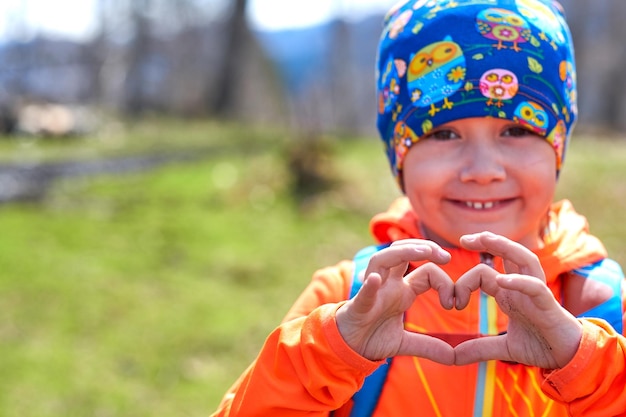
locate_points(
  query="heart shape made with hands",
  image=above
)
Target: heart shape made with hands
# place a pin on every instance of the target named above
(540, 332)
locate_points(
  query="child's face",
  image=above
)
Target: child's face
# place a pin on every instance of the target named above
(481, 174)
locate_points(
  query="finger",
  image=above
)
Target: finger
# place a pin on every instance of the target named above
(481, 349)
(430, 276)
(366, 298)
(425, 346)
(530, 286)
(480, 276)
(400, 254)
(526, 261)
(439, 255)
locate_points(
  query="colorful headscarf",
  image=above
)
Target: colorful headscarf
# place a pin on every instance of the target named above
(445, 60)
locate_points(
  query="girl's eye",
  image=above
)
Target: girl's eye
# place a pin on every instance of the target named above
(518, 132)
(442, 134)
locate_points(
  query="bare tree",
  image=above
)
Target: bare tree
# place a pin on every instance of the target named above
(222, 101)
(133, 101)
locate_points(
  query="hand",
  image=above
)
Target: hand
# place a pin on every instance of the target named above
(540, 331)
(372, 324)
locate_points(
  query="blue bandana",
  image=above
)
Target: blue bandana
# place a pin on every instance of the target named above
(445, 60)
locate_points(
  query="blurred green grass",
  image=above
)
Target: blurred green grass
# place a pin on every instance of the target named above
(149, 293)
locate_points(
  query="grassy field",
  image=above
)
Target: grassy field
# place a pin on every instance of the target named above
(147, 294)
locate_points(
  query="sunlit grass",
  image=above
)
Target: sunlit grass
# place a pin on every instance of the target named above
(147, 294)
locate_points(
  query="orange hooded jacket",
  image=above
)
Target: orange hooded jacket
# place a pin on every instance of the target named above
(306, 369)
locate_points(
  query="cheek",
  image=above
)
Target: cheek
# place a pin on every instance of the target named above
(421, 178)
(424, 165)
(543, 155)
(534, 162)
(424, 185)
(542, 164)
(536, 173)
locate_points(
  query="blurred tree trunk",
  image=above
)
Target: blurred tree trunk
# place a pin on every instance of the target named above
(133, 100)
(222, 102)
(342, 87)
(98, 54)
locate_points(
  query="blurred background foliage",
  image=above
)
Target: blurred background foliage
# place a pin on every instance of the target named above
(169, 184)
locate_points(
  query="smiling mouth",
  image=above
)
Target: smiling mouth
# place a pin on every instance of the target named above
(483, 205)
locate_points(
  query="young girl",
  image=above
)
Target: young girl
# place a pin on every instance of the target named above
(472, 304)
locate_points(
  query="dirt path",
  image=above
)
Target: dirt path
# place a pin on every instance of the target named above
(28, 182)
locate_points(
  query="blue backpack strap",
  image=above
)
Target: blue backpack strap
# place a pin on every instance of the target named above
(361, 260)
(364, 401)
(608, 272)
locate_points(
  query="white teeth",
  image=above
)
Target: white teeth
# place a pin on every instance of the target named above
(477, 205)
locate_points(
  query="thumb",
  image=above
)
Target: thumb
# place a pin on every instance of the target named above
(481, 349)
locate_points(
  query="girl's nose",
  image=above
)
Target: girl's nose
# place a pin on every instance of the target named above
(482, 164)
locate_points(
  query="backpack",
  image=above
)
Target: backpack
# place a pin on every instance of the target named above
(606, 271)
